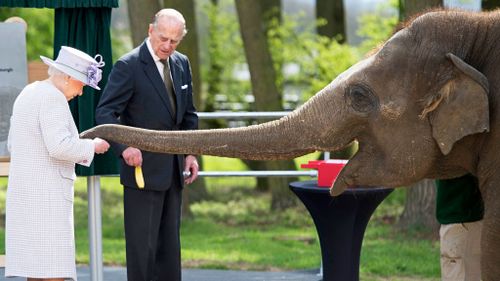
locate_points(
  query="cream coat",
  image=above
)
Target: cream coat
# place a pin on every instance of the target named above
(44, 145)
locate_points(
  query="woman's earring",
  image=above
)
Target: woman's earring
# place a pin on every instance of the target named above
(66, 82)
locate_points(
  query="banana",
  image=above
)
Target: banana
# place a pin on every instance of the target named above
(139, 178)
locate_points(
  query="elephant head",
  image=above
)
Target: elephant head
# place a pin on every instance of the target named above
(421, 106)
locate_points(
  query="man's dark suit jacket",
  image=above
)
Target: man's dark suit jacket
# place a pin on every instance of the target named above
(135, 95)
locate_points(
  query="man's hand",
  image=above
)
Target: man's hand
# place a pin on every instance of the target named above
(132, 156)
(191, 166)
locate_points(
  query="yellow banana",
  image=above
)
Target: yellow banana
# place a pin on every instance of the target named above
(139, 178)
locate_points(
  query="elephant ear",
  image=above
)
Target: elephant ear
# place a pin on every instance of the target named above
(461, 106)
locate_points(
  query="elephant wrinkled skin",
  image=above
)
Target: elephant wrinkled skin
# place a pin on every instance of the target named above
(425, 105)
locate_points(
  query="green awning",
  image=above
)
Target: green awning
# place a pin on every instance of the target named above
(87, 29)
(59, 3)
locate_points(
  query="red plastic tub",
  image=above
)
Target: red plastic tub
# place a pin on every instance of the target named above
(328, 170)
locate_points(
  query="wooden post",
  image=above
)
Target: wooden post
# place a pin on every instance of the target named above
(4, 166)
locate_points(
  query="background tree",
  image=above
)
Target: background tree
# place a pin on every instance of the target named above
(488, 5)
(408, 8)
(258, 56)
(331, 23)
(271, 12)
(224, 55)
(420, 206)
(331, 17)
(332, 11)
(140, 15)
(264, 89)
(222, 47)
(376, 27)
(216, 64)
(40, 34)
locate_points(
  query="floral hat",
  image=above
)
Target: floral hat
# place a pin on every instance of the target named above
(78, 65)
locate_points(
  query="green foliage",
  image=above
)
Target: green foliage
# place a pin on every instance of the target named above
(319, 59)
(329, 60)
(40, 35)
(121, 42)
(378, 26)
(226, 55)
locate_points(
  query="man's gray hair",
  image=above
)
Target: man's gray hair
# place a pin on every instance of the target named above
(170, 14)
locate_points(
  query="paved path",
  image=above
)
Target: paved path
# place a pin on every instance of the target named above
(119, 274)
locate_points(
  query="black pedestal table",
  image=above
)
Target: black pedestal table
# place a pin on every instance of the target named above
(340, 222)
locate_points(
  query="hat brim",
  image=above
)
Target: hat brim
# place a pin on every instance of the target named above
(68, 70)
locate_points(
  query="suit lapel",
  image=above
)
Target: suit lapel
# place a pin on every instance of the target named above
(154, 76)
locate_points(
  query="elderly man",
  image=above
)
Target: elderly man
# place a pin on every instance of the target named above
(151, 87)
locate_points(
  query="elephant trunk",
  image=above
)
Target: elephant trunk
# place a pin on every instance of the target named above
(252, 142)
(296, 134)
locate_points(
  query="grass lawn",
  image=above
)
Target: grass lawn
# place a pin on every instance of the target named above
(236, 230)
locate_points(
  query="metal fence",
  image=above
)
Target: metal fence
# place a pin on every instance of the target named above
(243, 115)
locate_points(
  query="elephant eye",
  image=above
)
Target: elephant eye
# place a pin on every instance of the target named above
(361, 99)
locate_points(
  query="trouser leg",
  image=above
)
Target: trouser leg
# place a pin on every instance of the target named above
(472, 257)
(142, 215)
(168, 254)
(460, 252)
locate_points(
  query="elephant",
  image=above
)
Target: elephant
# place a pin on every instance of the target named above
(425, 104)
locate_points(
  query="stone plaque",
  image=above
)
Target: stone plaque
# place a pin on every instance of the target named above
(13, 75)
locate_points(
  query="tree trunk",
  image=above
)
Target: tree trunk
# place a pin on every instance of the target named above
(333, 12)
(488, 5)
(260, 63)
(409, 8)
(189, 46)
(420, 207)
(216, 69)
(140, 15)
(271, 9)
(265, 91)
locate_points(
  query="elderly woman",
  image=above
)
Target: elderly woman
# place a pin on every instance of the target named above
(44, 145)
